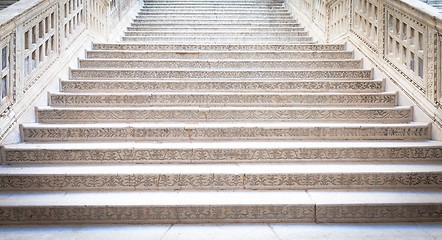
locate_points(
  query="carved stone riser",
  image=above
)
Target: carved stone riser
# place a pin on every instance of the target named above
(222, 64)
(223, 86)
(221, 39)
(220, 214)
(217, 74)
(213, 26)
(219, 47)
(73, 115)
(224, 4)
(226, 99)
(200, 155)
(234, 2)
(213, 13)
(212, 4)
(156, 214)
(239, 181)
(209, 21)
(232, 29)
(192, 133)
(217, 55)
(216, 17)
(274, 10)
(166, 33)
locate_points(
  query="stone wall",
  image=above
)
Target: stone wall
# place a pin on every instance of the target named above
(38, 41)
(401, 38)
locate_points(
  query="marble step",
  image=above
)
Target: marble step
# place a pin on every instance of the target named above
(221, 55)
(46, 114)
(213, 63)
(198, 4)
(234, 17)
(219, 34)
(217, 39)
(218, 47)
(223, 132)
(230, 85)
(171, 15)
(218, 21)
(125, 73)
(147, 207)
(221, 177)
(232, 29)
(213, 99)
(160, 25)
(192, 6)
(222, 152)
(213, 2)
(215, 11)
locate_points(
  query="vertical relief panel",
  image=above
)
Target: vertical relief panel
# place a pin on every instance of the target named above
(406, 41)
(40, 44)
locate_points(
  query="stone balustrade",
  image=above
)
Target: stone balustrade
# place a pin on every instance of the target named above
(39, 37)
(402, 38)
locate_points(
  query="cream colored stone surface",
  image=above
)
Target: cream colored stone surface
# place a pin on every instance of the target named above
(218, 113)
(235, 232)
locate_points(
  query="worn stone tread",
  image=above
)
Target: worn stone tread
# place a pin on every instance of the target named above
(220, 85)
(221, 152)
(233, 206)
(223, 132)
(221, 177)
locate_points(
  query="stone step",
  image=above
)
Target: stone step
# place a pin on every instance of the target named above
(213, 25)
(221, 55)
(230, 85)
(232, 30)
(213, 2)
(260, 64)
(218, 47)
(147, 207)
(223, 132)
(265, 152)
(223, 114)
(226, 15)
(249, 22)
(213, 99)
(213, 17)
(305, 231)
(221, 177)
(209, 11)
(191, 6)
(219, 74)
(170, 15)
(207, 19)
(219, 34)
(217, 39)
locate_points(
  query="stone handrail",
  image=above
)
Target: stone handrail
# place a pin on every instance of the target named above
(402, 38)
(40, 37)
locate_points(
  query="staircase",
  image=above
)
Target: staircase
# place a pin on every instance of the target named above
(221, 112)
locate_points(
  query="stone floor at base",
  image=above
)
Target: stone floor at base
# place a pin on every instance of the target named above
(409, 231)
